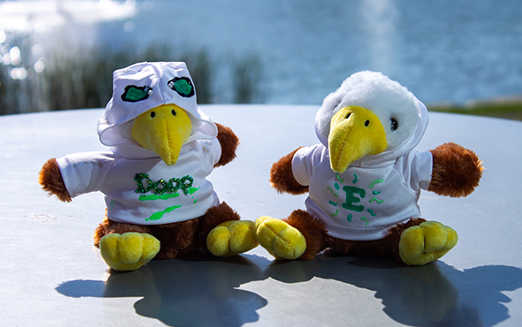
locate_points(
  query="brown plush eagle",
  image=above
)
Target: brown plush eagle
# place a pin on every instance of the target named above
(162, 147)
(364, 179)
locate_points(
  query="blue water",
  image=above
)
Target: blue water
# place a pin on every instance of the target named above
(442, 50)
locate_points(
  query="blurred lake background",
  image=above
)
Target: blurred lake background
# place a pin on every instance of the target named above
(61, 54)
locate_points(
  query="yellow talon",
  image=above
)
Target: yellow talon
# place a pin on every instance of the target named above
(231, 237)
(279, 238)
(128, 251)
(426, 243)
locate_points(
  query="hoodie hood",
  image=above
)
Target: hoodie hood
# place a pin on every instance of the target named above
(387, 99)
(144, 86)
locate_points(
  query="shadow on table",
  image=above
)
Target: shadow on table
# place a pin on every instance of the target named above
(203, 291)
(432, 295)
(192, 291)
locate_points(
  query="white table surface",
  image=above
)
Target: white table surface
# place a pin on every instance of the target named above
(51, 275)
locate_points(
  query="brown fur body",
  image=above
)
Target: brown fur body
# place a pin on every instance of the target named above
(177, 238)
(456, 172)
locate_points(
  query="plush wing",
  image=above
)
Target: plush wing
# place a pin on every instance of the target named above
(52, 182)
(456, 170)
(229, 142)
(282, 178)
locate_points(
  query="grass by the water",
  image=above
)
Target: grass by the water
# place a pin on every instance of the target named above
(499, 108)
(84, 79)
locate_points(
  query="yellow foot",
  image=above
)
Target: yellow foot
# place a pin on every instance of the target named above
(279, 238)
(426, 243)
(231, 237)
(128, 251)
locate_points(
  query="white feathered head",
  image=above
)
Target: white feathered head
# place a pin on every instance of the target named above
(402, 115)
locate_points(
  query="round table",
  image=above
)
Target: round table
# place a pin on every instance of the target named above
(51, 275)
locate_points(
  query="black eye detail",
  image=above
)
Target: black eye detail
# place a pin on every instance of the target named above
(394, 124)
(337, 104)
(152, 114)
(367, 123)
(173, 112)
(348, 116)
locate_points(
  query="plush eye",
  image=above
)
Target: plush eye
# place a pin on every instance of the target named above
(394, 124)
(348, 116)
(152, 114)
(336, 105)
(173, 112)
(367, 123)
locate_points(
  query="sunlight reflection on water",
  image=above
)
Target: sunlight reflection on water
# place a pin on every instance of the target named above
(443, 51)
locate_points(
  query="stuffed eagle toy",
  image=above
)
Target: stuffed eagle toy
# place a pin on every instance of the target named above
(162, 147)
(364, 179)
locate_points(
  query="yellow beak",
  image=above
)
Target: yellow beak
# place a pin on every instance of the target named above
(354, 133)
(164, 130)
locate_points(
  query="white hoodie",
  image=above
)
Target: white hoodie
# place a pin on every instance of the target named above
(139, 187)
(375, 193)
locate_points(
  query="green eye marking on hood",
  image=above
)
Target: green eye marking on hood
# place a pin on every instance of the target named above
(135, 93)
(182, 85)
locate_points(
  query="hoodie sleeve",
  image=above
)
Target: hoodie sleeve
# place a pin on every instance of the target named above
(209, 151)
(85, 172)
(417, 168)
(305, 162)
